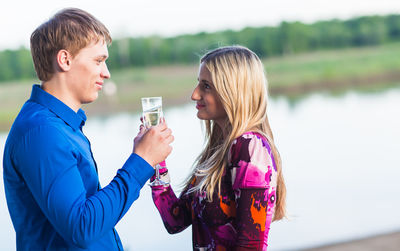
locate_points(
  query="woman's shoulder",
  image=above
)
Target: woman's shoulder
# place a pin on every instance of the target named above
(249, 144)
(251, 161)
(250, 135)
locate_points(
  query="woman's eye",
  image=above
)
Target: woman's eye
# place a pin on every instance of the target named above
(204, 85)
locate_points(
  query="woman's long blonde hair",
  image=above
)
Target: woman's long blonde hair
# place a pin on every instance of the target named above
(239, 79)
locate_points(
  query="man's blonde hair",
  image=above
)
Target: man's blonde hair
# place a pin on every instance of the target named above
(70, 29)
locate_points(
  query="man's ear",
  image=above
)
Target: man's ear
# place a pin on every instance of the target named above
(63, 60)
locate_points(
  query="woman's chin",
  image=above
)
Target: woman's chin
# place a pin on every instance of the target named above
(201, 116)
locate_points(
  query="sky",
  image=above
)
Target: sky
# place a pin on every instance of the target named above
(135, 18)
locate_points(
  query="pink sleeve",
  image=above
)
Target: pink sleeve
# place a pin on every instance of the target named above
(175, 212)
(254, 182)
(252, 163)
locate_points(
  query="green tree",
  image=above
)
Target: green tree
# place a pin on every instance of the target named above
(393, 26)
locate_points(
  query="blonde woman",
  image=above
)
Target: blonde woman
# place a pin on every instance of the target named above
(236, 188)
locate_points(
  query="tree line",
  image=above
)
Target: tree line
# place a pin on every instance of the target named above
(287, 38)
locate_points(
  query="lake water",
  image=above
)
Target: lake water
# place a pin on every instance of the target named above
(340, 160)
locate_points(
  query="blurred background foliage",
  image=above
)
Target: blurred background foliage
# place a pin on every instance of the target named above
(286, 39)
(299, 58)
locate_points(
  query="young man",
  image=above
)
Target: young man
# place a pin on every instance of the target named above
(50, 176)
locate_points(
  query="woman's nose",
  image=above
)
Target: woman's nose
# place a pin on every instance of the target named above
(195, 94)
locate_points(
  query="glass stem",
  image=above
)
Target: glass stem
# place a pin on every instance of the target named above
(157, 172)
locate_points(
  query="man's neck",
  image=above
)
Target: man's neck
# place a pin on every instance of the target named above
(58, 88)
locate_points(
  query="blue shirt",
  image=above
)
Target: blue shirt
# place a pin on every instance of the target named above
(51, 182)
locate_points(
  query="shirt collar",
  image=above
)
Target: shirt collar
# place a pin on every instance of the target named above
(74, 119)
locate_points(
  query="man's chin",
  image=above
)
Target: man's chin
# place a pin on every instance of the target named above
(91, 100)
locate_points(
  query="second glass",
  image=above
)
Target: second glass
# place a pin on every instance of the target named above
(152, 113)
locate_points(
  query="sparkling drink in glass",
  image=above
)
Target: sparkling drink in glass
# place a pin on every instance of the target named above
(152, 113)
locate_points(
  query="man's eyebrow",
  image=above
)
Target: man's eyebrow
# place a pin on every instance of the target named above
(102, 56)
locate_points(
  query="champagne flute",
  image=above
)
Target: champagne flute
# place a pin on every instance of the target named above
(152, 113)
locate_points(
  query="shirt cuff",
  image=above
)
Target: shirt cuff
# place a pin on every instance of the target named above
(140, 169)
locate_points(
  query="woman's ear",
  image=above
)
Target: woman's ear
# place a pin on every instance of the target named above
(63, 60)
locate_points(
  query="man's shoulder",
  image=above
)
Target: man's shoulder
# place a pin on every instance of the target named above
(31, 117)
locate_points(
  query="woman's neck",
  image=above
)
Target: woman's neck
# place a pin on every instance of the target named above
(223, 127)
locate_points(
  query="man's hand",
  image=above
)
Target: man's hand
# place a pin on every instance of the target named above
(153, 144)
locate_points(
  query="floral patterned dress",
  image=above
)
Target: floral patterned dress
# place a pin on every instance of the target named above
(239, 217)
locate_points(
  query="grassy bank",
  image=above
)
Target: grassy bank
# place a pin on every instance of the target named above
(334, 69)
(288, 75)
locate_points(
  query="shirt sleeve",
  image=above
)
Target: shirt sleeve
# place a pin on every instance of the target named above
(49, 168)
(175, 212)
(254, 183)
